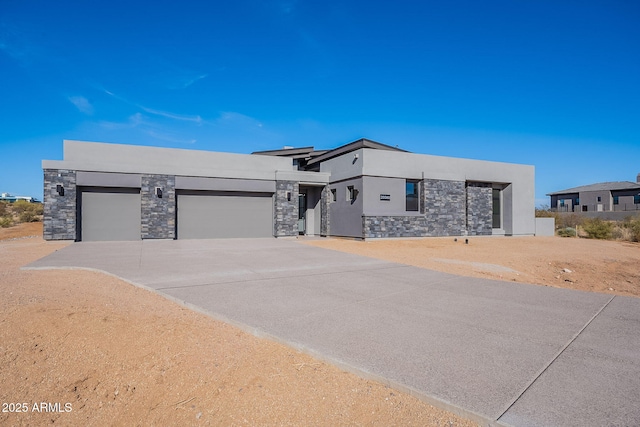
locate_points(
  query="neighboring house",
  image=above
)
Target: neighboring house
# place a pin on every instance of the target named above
(602, 197)
(363, 190)
(6, 197)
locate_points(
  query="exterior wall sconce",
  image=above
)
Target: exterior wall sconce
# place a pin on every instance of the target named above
(60, 189)
(288, 196)
(159, 192)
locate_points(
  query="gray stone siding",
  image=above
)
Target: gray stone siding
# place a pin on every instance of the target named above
(442, 213)
(479, 209)
(60, 212)
(158, 213)
(325, 220)
(447, 208)
(443, 203)
(286, 211)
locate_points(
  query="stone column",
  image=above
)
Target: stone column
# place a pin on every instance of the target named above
(60, 211)
(158, 216)
(285, 211)
(444, 207)
(479, 208)
(325, 223)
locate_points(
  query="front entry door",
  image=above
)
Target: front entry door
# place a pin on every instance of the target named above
(302, 213)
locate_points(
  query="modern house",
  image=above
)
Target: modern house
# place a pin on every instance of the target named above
(362, 190)
(6, 197)
(602, 197)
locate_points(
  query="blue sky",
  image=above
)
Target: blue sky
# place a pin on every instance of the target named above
(555, 84)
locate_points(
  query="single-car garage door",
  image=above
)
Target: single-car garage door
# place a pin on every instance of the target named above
(110, 214)
(214, 215)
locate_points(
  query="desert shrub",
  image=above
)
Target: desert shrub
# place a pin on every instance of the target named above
(3, 208)
(567, 232)
(632, 225)
(28, 216)
(5, 222)
(570, 220)
(620, 232)
(596, 228)
(27, 212)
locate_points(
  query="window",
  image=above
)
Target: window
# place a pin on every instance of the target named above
(636, 199)
(599, 199)
(351, 194)
(562, 203)
(584, 208)
(333, 195)
(616, 200)
(497, 208)
(411, 195)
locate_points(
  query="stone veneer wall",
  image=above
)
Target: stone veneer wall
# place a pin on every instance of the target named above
(479, 209)
(158, 214)
(60, 216)
(444, 207)
(286, 211)
(442, 213)
(325, 220)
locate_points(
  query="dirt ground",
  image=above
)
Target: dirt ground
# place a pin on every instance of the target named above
(590, 265)
(83, 348)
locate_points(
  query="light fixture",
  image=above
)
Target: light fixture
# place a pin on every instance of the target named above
(288, 196)
(60, 189)
(159, 192)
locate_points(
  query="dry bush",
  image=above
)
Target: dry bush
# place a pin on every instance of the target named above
(597, 228)
(632, 227)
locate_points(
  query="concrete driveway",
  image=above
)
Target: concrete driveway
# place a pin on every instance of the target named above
(498, 352)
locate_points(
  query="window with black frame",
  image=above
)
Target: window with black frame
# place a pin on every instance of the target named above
(411, 195)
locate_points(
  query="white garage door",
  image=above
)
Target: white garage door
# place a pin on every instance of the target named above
(214, 215)
(110, 214)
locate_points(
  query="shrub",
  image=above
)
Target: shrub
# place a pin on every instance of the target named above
(597, 228)
(28, 216)
(3, 208)
(633, 227)
(5, 222)
(567, 232)
(27, 212)
(571, 220)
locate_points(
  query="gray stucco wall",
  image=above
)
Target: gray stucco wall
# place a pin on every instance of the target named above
(158, 219)
(286, 211)
(374, 187)
(60, 211)
(346, 216)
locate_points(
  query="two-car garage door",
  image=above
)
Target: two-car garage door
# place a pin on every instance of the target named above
(212, 215)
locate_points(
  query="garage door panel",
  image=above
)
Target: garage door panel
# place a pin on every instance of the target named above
(110, 216)
(224, 216)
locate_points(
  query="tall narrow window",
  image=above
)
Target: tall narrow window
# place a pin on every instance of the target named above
(351, 194)
(333, 195)
(616, 200)
(412, 195)
(636, 200)
(497, 208)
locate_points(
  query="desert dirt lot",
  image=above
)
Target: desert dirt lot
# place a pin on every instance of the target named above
(122, 355)
(590, 265)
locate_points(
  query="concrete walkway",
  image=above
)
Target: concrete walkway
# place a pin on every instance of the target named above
(498, 352)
